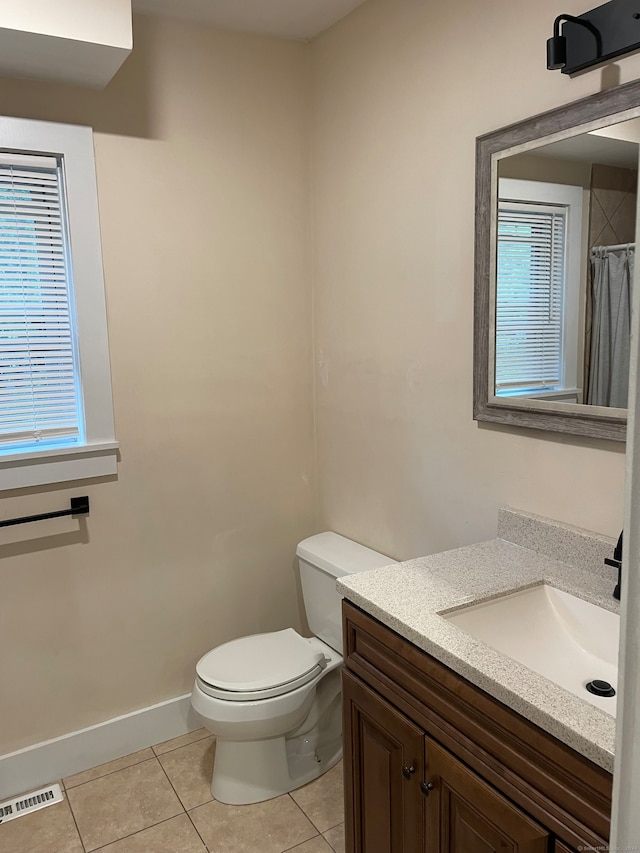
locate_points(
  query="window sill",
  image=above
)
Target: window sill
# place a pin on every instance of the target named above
(41, 468)
(546, 393)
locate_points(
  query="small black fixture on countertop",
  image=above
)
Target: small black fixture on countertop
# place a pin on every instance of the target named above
(616, 562)
(78, 506)
(594, 37)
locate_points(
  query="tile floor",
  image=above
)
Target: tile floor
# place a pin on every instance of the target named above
(158, 800)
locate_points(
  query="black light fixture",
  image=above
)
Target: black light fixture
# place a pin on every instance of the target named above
(604, 33)
(557, 44)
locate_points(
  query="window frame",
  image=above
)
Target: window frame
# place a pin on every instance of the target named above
(97, 455)
(569, 196)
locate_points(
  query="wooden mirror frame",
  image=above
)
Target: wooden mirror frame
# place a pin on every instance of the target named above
(509, 411)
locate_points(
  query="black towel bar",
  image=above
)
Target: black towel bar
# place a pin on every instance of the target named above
(79, 506)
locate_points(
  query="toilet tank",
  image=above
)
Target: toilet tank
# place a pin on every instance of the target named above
(322, 559)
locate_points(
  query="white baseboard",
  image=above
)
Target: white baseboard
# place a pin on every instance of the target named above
(51, 760)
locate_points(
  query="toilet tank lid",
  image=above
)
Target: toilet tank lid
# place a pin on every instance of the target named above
(338, 555)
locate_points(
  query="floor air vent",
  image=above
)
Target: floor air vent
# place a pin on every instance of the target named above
(11, 809)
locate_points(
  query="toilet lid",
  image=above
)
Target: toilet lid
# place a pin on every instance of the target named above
(260, 663)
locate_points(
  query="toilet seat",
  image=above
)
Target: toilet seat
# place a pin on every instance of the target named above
(261, 666)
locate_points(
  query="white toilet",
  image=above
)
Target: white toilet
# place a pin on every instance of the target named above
(273, 700)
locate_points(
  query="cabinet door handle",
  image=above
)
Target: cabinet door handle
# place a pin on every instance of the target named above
(408, 772)
(426, 788)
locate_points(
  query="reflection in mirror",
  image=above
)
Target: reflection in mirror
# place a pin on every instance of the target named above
(565, 231)
(557, 190)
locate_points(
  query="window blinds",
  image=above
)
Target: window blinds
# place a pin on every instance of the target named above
(530, 284)
(39, 390)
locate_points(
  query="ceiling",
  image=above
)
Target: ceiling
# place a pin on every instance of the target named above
(291, 19)
(611, 146)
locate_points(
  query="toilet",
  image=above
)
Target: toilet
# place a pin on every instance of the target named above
(273, 701)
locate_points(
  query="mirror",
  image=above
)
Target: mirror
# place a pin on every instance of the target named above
(556, 200)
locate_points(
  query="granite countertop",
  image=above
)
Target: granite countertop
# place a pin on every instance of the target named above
(408, 598)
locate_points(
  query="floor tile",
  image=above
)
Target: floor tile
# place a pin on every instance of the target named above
(176, 835)
(270, 827)
(177, 742)
(49, 830)
(122, 803)
(323, 799)
(105, 769)
(189, 770)
(316, 845)
(335, 837)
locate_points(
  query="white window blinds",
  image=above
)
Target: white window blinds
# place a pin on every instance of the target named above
(39, 388)
(530, 285)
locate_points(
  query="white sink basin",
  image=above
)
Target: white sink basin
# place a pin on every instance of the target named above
(557, 635)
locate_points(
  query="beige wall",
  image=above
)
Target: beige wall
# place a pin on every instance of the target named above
(202, 164)
(401, 90)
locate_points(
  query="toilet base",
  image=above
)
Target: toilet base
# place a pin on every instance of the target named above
(253, 762)
(252, 771)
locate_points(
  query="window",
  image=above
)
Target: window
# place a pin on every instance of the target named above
(538, 274)
(56, 419)
(531, 263)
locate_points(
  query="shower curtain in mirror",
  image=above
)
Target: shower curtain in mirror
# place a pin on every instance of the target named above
(612, 279)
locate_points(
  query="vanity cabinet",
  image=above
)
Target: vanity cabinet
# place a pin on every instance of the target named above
(412, 796)
(386, 767)
(435, 765)
(466, 815)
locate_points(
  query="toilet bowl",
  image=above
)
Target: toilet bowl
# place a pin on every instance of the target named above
(273, 700)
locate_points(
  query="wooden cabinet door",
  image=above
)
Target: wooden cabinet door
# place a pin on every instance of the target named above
(464, 814)
(383, 768)
(562, 848)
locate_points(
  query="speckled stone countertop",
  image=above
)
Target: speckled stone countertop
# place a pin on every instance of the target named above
(408, 598)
